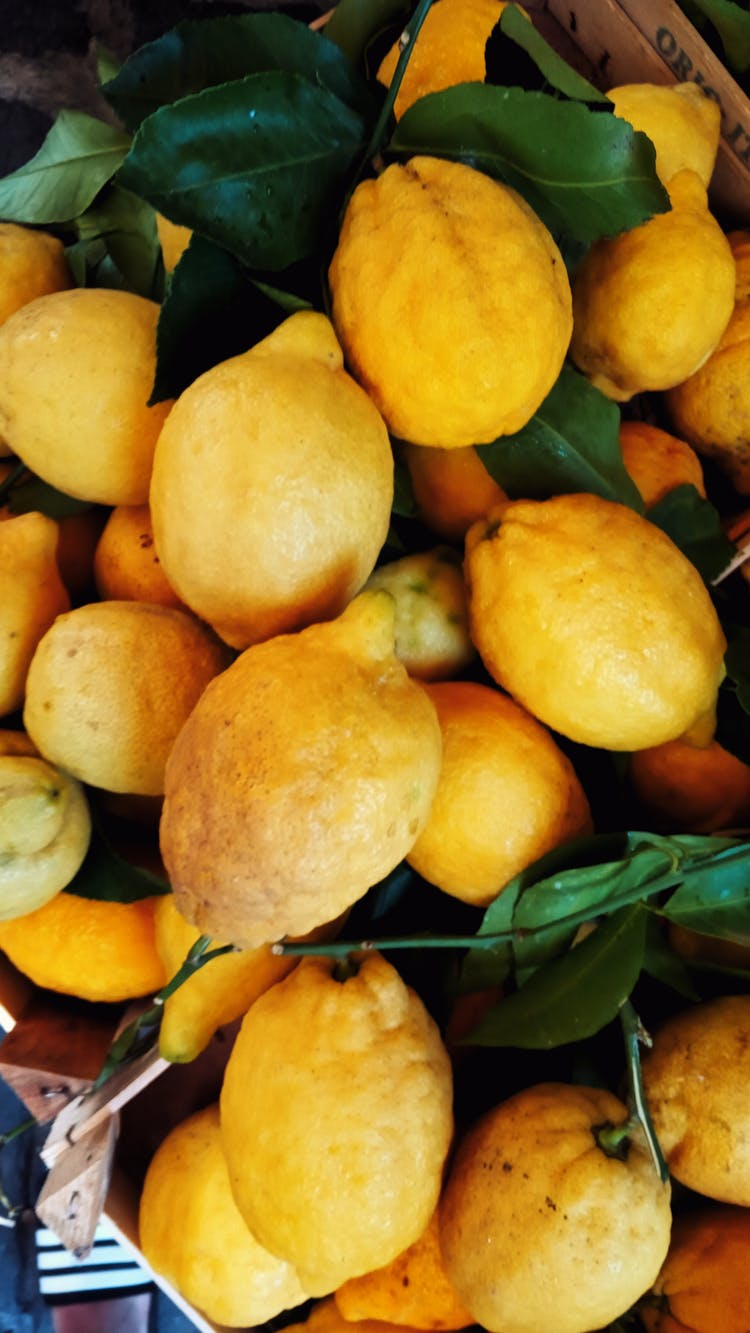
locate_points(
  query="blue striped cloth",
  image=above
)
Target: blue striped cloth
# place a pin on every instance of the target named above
(107, 1272)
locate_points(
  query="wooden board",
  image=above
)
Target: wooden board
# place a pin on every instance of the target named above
(651, 41)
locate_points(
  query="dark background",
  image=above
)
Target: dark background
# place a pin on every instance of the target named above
(48, 60)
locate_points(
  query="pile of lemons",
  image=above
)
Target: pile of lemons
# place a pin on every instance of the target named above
(217, 645)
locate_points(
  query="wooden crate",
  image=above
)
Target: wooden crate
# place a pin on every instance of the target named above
(54, 1049)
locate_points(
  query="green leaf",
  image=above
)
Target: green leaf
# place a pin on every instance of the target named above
(556, 71)
(694, 525)
(127, 225)
(585, 174)
(253, 165)
(588, 889)
(732, 22)
(482, 968)
(662, 963)
(199, 54)
(571, 444)
(289, 302)
(37, 496)
(107, 63)
(79, 155)
(715, 899)
(106, 876)
(575, 996)
(212, 311)
(354, 23)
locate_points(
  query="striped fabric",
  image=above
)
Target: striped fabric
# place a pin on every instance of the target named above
(107, 1272)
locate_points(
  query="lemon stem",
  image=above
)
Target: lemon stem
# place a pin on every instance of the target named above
(635, 1036)
(406, 43)
(614, 1140)
(142, 1032)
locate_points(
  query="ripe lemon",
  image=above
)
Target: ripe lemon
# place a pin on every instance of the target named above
(109, 687)
(325, 1317)
(696, 789)
(272, 486)
(432, 612)
(78, 368)
(302, 777)
(192, 1234)
(594, 621)
(650, 305)
(413, 1288)
(451, 301)
(32, 595)
(45, 827)
(696, 1080)
(711, 406)
(452, 488)
(216, 994)
(657, 461)
(540, 1228)
(32, 263)
(100, 951)
(703, 1287)
(506, 795)
(173, 239)
(449, 49)
(126, 565)
(336, 1114)
(683, 124)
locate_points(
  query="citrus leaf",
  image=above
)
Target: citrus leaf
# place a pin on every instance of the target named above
(354, 23)
(107, 63)
(588, 889)
(732, 22)
(37, 496)
(106, 876)
(585, 174)
(201, 53)
(127, 225)
(556, 71)
(79, 155)
(664, 965)
(212, 311)
(574, 996)
(251, 165)
(715, 899)
(694, 525)
(571, 444)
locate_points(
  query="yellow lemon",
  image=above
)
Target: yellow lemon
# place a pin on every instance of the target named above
(336, 1113)
(683, 124)
(272, 486)
(594, 621)
(451, 301)
(32, 595)
(302, 777)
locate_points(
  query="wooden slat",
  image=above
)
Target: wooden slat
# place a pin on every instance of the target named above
(73, 1195)
(55, 1051)
(642, 41)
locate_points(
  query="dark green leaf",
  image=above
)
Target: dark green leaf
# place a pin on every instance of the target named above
(732, 722)
(403, 494)
(37, 496)
(571, 444)
(107, 63)
(694, 525)
(715, 899)
(575, 996)
(354, 23)
(662, 963)
(127, 225)
(286, 301)
(590, 889)
(79, 155)
(556, 71)
(488, 967)
(212, 311)
(199, 54)
(732, 22)
(585, 174)
(252, 165)
(104, 875)
(737, 662)
(83, 259)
